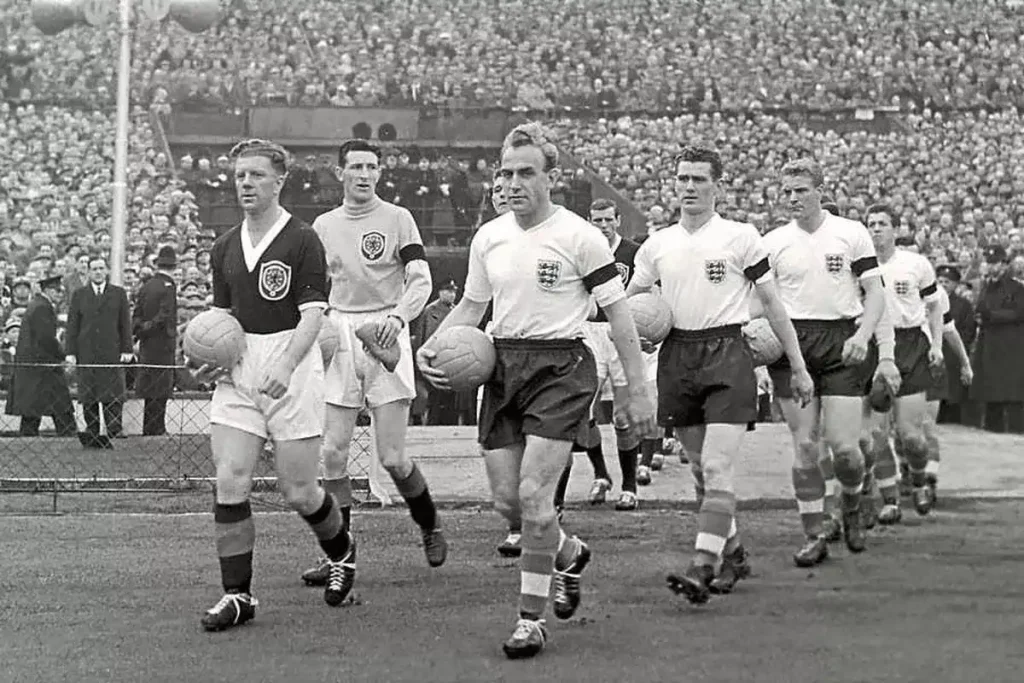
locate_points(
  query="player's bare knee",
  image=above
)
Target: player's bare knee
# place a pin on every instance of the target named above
(807, 453)
(848, 463)
(535, 500)
(302, 496)
(718, 472)
(334, 459)
(396, 461)
(506, 504)
(913, 444)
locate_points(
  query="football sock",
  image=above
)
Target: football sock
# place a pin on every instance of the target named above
(236, 538)
(341, 489)
(536, 566)
(330, 531)
(627, 463)
(714, 522)
(596, 456)
(417, 496)
(563, 484)
(648, 447)
(809, 487)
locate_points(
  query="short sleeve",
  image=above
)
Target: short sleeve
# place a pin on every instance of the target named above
(929, 284)
(645, 272)
(410, 243)
(478, 284)
(595, 261)
(221, 290)
(755, 257)
(310, 287)
(863, 260)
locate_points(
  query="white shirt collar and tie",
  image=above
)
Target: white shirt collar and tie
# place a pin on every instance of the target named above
(98, 289)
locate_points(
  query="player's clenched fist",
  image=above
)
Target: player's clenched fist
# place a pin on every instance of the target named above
(640, 412)
(855, 350)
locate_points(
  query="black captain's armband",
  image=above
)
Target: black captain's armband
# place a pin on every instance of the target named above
(757, 271)
(600, 276)
(412, 252)
(863, 265)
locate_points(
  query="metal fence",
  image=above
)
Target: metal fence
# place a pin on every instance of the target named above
(110, 458)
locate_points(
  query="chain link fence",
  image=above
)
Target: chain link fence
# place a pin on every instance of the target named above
(83, 430)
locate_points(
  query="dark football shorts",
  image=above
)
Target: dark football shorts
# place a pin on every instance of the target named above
(912, 347)
(539, 387)
(821, 343)
(706, 377)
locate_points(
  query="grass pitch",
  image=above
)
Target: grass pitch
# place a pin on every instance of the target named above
(112, 598)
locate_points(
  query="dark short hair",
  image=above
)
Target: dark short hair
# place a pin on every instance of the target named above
(894, 217)
(697, 154)
(357, 145)
(603, 204)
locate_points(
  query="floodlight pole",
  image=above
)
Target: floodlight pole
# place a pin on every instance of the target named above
(119, 212)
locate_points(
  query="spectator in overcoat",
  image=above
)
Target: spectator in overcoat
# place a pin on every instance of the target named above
(998, 363)
(154, 324)
(38, 384)
(99, 334)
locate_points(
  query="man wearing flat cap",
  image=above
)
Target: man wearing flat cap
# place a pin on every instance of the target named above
(38, 384)
(998, 364)
(155, 326)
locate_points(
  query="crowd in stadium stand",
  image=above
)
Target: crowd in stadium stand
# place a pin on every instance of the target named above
(623, 85)
(652, 55)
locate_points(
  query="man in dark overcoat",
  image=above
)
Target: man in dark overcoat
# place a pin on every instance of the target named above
(99, 333)
(37, 391)
(154, 324)
(998, 362)
(955, 407)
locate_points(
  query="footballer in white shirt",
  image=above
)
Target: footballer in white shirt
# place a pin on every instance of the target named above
(915, 310)
(708, 268)
(540, 264)
(822, 263)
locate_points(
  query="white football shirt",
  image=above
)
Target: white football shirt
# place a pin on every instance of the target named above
(910, 280)
(819, 273)
(706, 276)
(541, 279)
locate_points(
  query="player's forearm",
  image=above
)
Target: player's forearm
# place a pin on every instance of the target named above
(627, 344)
(935, 323)
(418, 285)
(874, 310)
(466, 312)
(783, 328)
(304, 336)
(885, 335)
(952, 335)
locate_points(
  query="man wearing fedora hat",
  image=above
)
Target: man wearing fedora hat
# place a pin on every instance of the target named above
(155, 325)
(38, 384)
